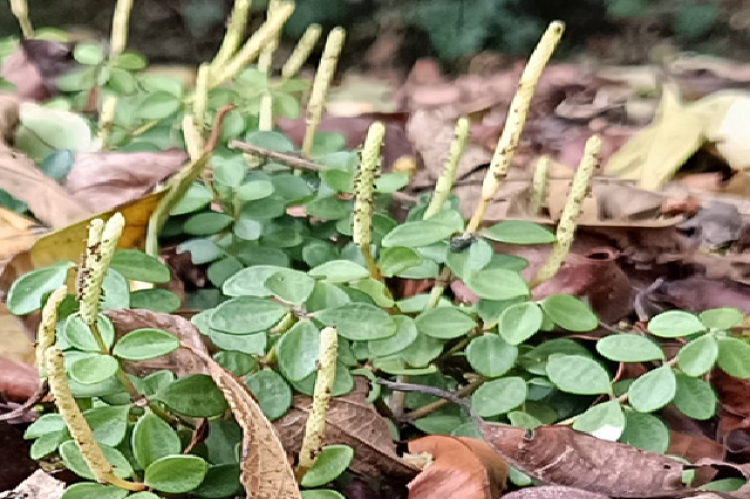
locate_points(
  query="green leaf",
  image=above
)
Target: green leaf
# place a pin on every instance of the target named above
(93, 368)
(290, 286)
(628, 348)
(391, 182)
(46, 424)
(89, 54)
(196, 396)
(263, 209)
(329, 208)
(491, 356)
(520, 322)
(330, 464)
(222, 480)
(444, 323)
(476, 258)
(80, 336)
(273, 141)
(734, 357)
(675, 323)
(221, 270)
(699, 356)
(176, 474)
(375, 289)
(121, 82)
(645, 431)
(158, 300)
(721, 318)
(88, 490)
(158, 105)
(27, 292)
(694, 398)
(417, 234)
(321, 494)
(273, 393)
(206, 224)
(74, 461)
(245, 315)
(47, 444)
(578, 374)
(115, 291)
(146, 343)
(653, 390)
(339, 271)
(153, 438)
(397, 259)
(58, 164)
(254, 190)
(695, 19)
(297, 350)
(130, 61)
(519, 232)
(406, 334)
(138, 266)
(724, 485)
(109, 423)
(238, 363)
(196, 198)
(316, 252)
(343, 382)
(249, 281)
(359, 321)
(605, 421)
(497, 284)
(570, 313)
(499, 396)
(422, 351)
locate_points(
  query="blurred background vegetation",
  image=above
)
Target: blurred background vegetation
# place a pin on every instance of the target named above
(188, 31)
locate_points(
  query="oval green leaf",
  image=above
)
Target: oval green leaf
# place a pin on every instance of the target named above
(628, 348)
(444, 323)
(176, 474)
(578, 374)
(653, 390)
(570, 313)
(339, 271)
(499, 396)
(519, 232)
(93, 368)
(297, 350)
(605, 421)
(695, 398)
(273, 393)
(359, 321)
(406, 334)
(245, 315)
(734, 357)
(26, 293)
(136, 265)
(721, 318)
(417, 234)
(331, 462)
(497, 284)
(195, 395)
(646, 432)
(491, 356)
(146, 343)
(153, 438)
(699, 356)
(675, 323)
(520, 322)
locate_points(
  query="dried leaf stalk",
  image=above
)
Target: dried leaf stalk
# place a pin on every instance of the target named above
(301, 51)
(253, 47)
(20, 9)
(118, 41)
(234, 34)
(448, 178)
(316, 422)
(45, 336)
(519, 108)
(568, 219)
(77, 426)
(539, 185)
(369, 170)
(323, 78)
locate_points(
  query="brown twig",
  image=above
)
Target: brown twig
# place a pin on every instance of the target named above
(447, 397)
(301, 163)
(37, 397)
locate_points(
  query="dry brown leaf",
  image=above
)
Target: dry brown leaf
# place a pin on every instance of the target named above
(553, 492)
(15, 343)
(18, 380)
(17, 234)
(462, 468)
(35, 65)
(101, 181)
(559, 455)
(181, 362)
(266, 473)
(353, 421)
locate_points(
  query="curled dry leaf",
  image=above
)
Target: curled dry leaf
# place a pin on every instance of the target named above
(559, 455)
(103, 180)
(181, 361)
(353, 421)
(266, 473)
(462, 468)
(553, 492)
(17, 234)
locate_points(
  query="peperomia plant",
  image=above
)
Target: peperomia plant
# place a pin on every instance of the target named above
(302, 265)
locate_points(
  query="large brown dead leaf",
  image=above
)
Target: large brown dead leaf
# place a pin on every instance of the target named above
(102, 181)
(266, 473)
(18, 380)
(559, 455)
(353, 421)
(17, 234)
(15, 343)
(181, 362)
(461, 468)
(553, 492)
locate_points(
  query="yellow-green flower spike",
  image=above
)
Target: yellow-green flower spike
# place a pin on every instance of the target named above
(364, 186)
(235, 33)
(45, 336)
(539, 185)
(316, 421)
(265, 116)
(448, 178)
(77, 425)
(201, 101)
(514, 123)
(321, 83)
(568, 219)
(97, 266)
(265, 60)
(301, 51)
(20, 9)
(250, 51)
